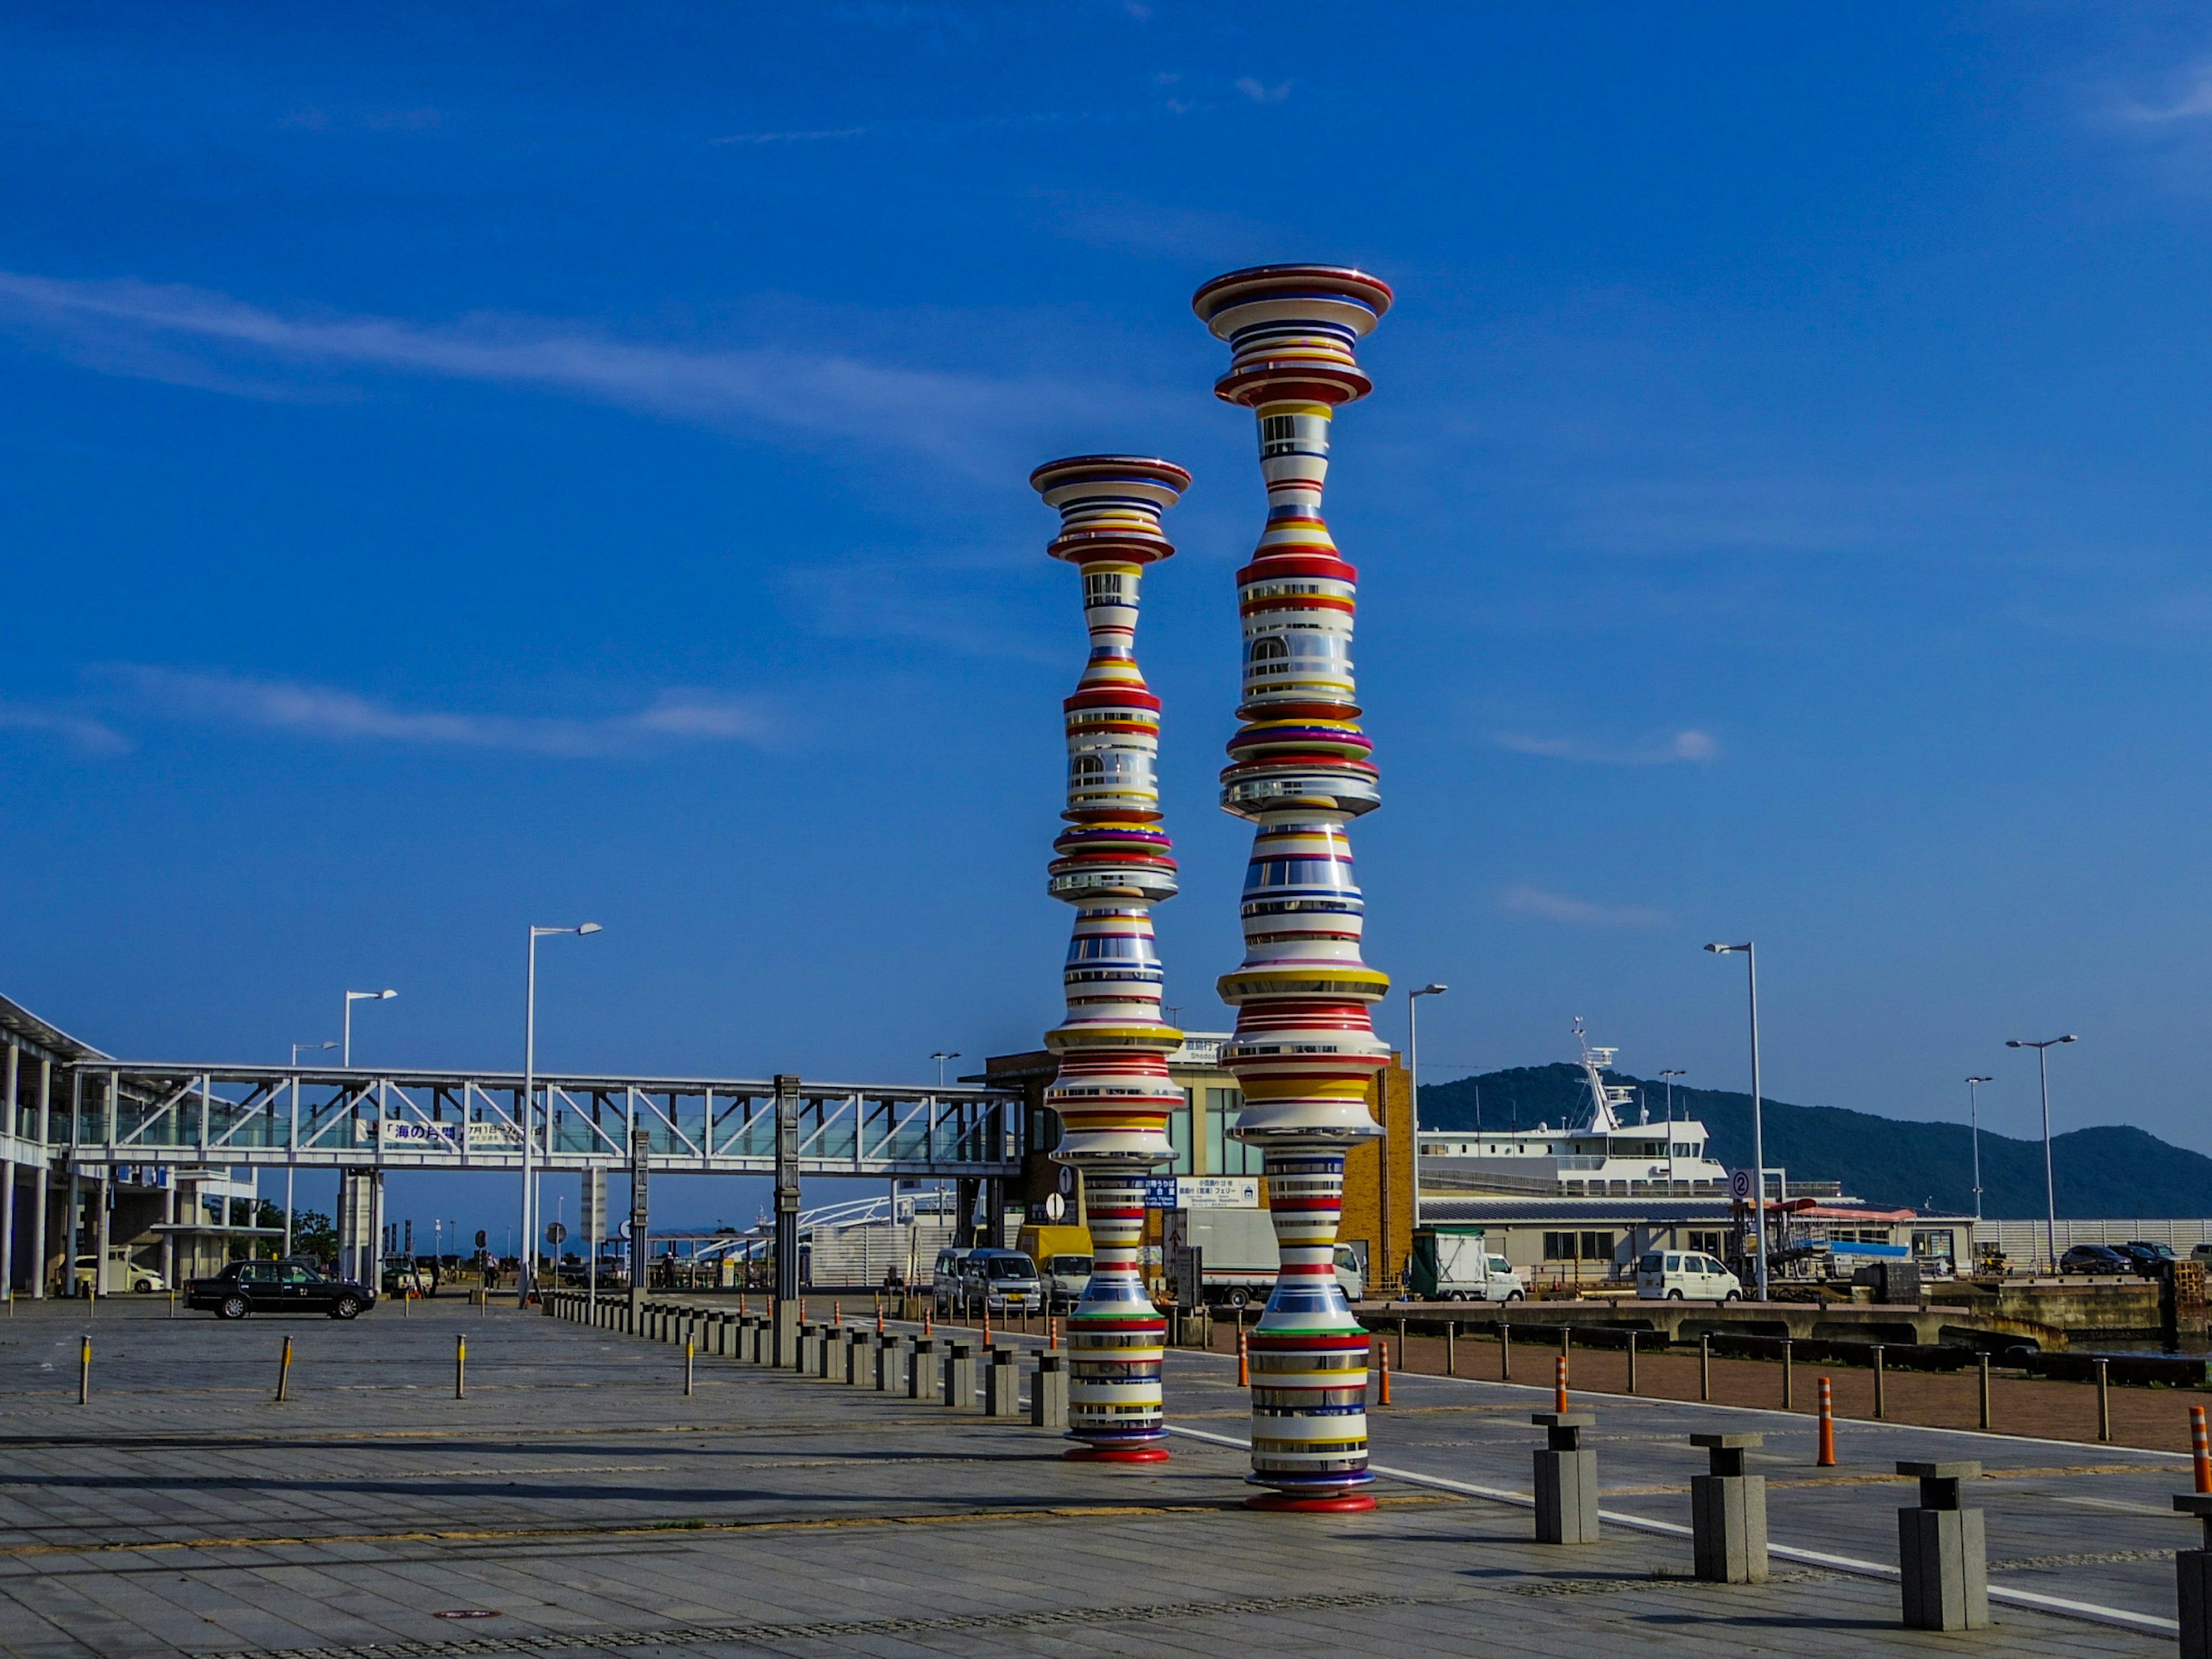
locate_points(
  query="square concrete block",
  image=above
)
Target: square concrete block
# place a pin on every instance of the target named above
(1002, 1385)
(1727, 1528)
(1566, 1496)
(923, 1379)
(1943, 1557)
(2193, 1572)
(1048, 1392)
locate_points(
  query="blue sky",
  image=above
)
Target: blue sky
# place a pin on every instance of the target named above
(472, 465)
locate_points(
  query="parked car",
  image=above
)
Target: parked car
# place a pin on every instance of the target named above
(120, 1273)
(944, 1279)
(1002, 1281)
(2094, 1259)
(2148, 1256)
(1065, 1280)
(276, 1287)
(1685, 1276)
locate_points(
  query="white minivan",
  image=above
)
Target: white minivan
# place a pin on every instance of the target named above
(1685, 1275)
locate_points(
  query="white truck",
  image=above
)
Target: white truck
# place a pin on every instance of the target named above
(1454, 1264)
(1228, 1257)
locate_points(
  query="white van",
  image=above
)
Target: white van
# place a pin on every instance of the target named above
(1685, 1275)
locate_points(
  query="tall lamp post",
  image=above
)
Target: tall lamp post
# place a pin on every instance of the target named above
(1974, 1117)
(525, 1274)
(1750, 951)
(1670, 1076)
(940, 1057)
(345, 1049)
(2050, 1180)
(290, 1168)
(1414, 1067)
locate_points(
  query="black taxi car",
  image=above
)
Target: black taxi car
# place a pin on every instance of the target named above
(276, 1287)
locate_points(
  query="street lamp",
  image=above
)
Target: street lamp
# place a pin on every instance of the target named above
(2050, 1182)
(1670, 1076)
(940, 1057)
(1413, 1066)
(345, 1051)
(289, 1169)
(1974, 1117)
(1750, 951)
(525, 1278)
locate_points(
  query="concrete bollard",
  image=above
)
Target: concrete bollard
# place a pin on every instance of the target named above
(1566, 1480)
(2193, 1575)
(960, 1379)
(1943, 1553)
(783, 1347)
(1048, 1392)
(750, 1327)
(922, 1380)
(809, 1362)
(1728, 1512)
(859, 1356)
(1002, 1384)
(893, 1356)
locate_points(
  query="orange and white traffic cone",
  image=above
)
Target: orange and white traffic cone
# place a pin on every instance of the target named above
(1826, 1459)
(1244, 1364)
(1382, 1378)
(2200, 1450)
(1560, 1384)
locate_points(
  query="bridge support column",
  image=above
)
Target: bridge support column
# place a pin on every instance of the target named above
(786, 1187)
(360, 1224)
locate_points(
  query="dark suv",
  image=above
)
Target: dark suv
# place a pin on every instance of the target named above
(2094, 1259)
(276, 1287)
(2147, 1257)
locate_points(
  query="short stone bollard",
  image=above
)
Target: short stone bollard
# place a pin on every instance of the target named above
(922, 1380)
(810, 1337)
(1566, 1480)
(754, 1340)
(892, 1367)
(859, 1356)
(2193, 1573)
(783, 1345)
(1048, 1392)
(1728, 1513)
(960, 1378)
(1943, 1553)
(1002, 1384)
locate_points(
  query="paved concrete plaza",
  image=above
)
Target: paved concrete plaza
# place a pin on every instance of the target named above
(580, 1500)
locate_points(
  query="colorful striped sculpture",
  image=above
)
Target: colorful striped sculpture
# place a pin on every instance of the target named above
(1304, 1051)
(1113, 864)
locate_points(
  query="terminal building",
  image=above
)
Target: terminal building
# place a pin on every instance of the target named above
(1212, 1169)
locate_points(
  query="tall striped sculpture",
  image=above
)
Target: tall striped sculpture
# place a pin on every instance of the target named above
(1113, 863)
(1304, 1051)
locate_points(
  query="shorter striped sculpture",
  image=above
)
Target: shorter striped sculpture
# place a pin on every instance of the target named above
(1113, 864)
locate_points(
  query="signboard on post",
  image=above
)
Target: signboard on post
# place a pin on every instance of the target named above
(1201, 1192)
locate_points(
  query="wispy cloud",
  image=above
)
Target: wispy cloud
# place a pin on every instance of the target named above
(1152, 231)
(811, 136)
(93, 737)
(332, 713)
(1263, 95)
(2192, 101)
(1665, 749)
(169, 333)
(1578, 913)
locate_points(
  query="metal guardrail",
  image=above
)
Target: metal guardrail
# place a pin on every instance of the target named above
(134, 1113)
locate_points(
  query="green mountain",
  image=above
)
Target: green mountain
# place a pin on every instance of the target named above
(2116, 1170)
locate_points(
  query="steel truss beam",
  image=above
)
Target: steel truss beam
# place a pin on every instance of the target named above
(152, 1113)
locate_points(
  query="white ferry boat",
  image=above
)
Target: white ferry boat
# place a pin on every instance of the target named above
(1600, 1155)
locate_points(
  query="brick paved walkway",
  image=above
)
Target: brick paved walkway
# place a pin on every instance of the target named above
(579, 1498)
